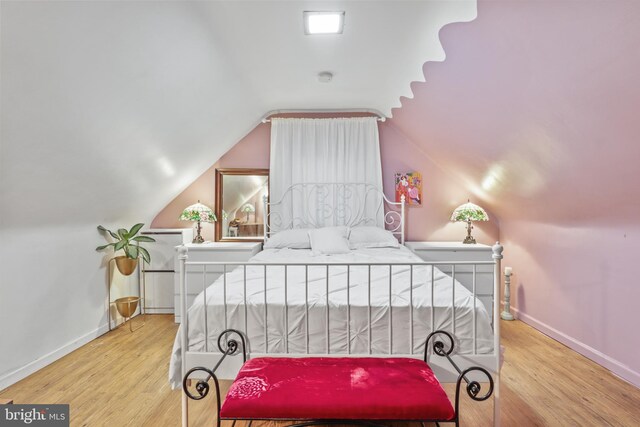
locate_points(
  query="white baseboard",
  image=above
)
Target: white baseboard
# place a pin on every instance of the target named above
(158, 310)
(619, 369)
(47, 359)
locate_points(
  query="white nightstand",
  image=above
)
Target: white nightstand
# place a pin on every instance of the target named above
(455, 251)
(159, 274)
(212, 251)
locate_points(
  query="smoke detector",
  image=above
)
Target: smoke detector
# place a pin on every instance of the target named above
(325, 77)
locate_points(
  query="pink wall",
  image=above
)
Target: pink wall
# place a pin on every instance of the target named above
(535, 110)
(250, 152)
(578, 284)
(441, 193)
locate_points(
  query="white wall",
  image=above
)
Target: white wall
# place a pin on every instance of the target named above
(52, 295)
(108, 110)
(111, 108)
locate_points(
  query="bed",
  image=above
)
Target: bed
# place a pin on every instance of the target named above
(387, 307)
(377, 300)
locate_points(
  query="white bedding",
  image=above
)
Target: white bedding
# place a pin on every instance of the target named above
(358, 301)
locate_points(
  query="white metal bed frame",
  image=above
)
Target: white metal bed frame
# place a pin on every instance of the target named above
(326, 204)
(335, 203)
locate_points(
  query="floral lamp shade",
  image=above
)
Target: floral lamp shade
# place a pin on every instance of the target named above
(469, 212)
(247, 209)
(199, 213)
(466, 213)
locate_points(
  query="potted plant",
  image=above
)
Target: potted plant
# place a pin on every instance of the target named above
(130, 244)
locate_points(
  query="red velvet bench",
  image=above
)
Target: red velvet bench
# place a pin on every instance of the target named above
(342, 390)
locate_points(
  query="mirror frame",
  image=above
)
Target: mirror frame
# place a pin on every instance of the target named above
(220, 173)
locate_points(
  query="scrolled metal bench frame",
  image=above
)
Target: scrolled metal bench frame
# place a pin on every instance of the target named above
(228, 348)
(473, 387)
(233, 345)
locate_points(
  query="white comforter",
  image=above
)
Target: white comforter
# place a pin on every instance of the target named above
(358, 296)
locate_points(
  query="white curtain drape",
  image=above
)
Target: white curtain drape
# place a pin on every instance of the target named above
(342, 153)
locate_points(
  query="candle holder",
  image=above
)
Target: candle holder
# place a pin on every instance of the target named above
(506, 313)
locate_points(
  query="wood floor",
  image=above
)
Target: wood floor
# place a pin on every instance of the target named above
(121, 379)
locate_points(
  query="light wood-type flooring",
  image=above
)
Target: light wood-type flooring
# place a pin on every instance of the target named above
(121, 379)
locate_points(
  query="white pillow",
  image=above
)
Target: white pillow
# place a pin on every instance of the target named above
(297, 238)
(371, 237)
(329, 240)
(342, 229)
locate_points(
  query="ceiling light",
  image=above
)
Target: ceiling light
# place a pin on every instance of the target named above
(323, 22)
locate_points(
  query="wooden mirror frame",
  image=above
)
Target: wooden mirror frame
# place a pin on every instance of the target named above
(220, 173)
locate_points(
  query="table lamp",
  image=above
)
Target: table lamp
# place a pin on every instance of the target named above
(466, 213)
(248, 209)
(200, 213)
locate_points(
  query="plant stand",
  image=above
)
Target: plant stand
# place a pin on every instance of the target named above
(126, 306)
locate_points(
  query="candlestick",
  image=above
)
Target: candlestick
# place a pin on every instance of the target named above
(506, 313)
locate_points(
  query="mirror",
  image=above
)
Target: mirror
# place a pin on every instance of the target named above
(239, 204)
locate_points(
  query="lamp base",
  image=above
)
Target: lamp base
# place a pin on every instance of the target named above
(469, 240)
(198, 238)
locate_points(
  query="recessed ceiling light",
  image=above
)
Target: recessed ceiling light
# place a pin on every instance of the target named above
(323, 22)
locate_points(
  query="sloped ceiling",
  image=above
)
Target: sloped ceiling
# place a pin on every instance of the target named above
(381, 50)
(535, 109)
(111, 108)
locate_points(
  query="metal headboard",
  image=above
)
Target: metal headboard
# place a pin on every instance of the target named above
(314, 205)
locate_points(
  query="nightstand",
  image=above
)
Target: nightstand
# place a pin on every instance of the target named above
(455, 251)
(159, 274)
(212, 252)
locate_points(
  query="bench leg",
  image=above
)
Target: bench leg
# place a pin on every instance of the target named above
(496, 402)
(340, 422)
(185, 410)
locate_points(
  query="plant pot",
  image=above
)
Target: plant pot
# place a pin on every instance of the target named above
(126, 306)
(126, 265)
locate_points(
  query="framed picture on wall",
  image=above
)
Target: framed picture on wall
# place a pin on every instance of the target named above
(409, 184)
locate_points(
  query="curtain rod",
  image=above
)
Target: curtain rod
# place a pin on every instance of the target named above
(381, 117)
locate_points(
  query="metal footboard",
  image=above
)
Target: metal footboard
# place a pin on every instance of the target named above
(245, 322)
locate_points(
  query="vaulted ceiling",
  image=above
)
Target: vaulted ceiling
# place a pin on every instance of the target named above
(380, 52)
(114, 107)
(535, 109)
(111, 108)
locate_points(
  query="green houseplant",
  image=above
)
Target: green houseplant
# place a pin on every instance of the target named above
(129, 242)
